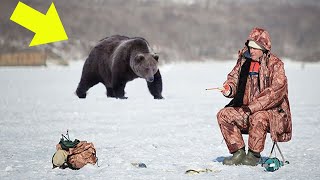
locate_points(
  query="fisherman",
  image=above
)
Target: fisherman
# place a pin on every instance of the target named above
(258, 86)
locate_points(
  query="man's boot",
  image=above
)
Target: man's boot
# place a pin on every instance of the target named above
(236, 158)
(251, 159)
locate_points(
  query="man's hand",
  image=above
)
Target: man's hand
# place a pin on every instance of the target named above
(226, 90)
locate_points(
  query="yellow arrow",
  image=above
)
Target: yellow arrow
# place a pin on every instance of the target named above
(48, 27)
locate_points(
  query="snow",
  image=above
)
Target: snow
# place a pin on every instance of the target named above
(170, 136)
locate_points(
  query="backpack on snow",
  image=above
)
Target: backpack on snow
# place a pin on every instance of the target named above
(79, 153)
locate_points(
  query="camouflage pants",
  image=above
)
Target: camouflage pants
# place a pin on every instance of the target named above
(233, 121)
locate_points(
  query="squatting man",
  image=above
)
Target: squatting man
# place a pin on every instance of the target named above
(258, 86)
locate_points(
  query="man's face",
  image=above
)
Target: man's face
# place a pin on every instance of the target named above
(255, 53)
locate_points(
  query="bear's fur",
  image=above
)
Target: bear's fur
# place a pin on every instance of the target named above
(116, 60)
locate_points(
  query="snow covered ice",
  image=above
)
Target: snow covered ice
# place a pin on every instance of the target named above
(170, 136)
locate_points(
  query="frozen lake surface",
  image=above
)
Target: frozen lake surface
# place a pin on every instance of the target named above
(37, 104)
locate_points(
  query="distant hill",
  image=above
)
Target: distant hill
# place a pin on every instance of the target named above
(203, 30)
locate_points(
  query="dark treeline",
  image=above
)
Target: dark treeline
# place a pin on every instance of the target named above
(177, 31)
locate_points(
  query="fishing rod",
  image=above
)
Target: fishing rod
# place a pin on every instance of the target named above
(215, 88)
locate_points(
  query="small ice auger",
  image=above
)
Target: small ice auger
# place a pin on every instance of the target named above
(272, 164)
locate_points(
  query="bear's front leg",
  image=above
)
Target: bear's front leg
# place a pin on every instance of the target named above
(155, 87)
(110, 92)
(118, 89)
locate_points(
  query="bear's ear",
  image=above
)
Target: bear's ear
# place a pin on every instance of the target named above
(156, 57)
(139, 58)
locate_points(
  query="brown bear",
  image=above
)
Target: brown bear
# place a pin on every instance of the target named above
(116, 60)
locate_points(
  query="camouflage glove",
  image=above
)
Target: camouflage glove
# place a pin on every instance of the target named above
(226, 90)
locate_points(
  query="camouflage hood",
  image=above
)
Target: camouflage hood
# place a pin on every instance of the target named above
(261, 37)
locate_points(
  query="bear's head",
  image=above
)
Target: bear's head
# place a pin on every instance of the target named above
(145, 65)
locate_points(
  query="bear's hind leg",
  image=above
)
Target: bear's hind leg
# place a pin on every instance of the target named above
(83, 87)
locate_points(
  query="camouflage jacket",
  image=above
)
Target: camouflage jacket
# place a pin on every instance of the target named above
(273, 87)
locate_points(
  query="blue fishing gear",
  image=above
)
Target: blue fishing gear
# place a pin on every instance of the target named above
(272, 164)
